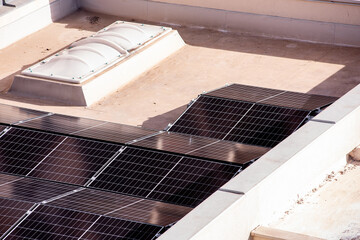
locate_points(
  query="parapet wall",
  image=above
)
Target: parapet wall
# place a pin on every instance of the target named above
(305, 20)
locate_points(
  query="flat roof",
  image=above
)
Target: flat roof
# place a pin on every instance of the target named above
(210, 60)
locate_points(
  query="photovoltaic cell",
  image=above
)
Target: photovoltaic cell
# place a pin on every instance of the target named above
(21, 150)
(10, 212)
(268, 96)
(211, 117)
(192, 181)
(75, 161)
(11, 115)
(162, 176)
(266, 125)
(113, 228)
(175, 142)
(61, 124)
(231, 152)
(1, 129)
(244, 93)
(122, 206)
(47, 222)
(32, 190)
(135, 171)
(5, 178)
(300, 101)
(203, 147)
(114, 132)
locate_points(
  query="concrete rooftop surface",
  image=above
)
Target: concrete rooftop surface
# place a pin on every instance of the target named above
(210, 60)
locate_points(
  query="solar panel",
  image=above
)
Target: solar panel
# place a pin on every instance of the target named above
(32, 190)
(175, 142)
(113, 228)
(192, 181)
(203, 147)
(231, 152)
(10, 212)
(300, 101)
(268, 96)
(1, 129)
(266, 125)
(244, 93)
(5, 178)
(118, 133)
(135, 171)
(49, 222)
(53, 157)
(75, 161)
(122, 206)
(211, 117)
(11, 115)
(255, 124)
(61, 124)
(163, 176)
(21, 150)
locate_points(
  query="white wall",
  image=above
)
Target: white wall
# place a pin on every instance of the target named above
(26, 19)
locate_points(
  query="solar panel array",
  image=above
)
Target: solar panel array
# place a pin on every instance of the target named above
(65, 177)
(249, 115)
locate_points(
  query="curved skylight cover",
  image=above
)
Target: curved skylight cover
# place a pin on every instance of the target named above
(87, 57)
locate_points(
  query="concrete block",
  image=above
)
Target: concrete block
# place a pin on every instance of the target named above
(186, 15)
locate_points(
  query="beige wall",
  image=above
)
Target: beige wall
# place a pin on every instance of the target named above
(300, 9)
(305, 20)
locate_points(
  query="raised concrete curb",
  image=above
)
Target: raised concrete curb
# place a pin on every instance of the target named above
(275, 181)
(104, 83)
(235, 16)
(26, 19)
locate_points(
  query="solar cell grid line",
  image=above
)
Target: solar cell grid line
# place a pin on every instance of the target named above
(175, 142)
(116, 133)
(135, 171)
(11, 212)
(244, 92)
(231, 152)
(301, 101)
(74, 161)
(267, 125)
(211, 117)
(48, 222)
(6, 178)
(114, 228)
(122, 206)
(193, 180)
(58, 123)
(33, 190)
(12, 114)
(21, 150)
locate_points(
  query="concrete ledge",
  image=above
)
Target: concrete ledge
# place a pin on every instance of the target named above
(275, 181)
(234, 16)
(104, 83)
(26, 19)
(264, 233)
